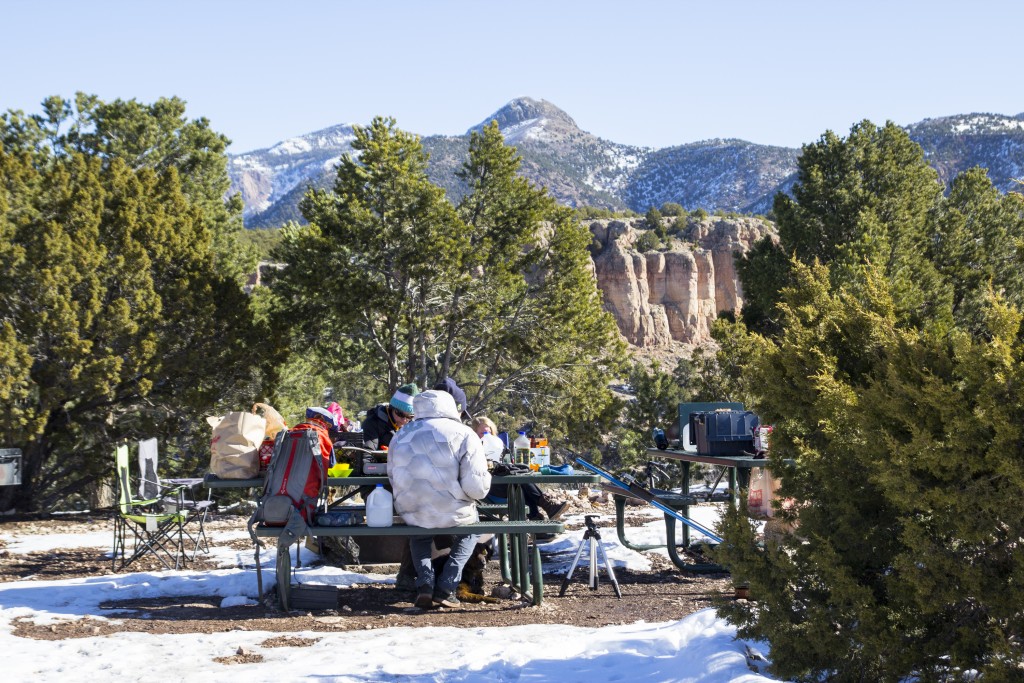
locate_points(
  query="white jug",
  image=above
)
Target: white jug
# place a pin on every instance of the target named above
(521, 449)
(379, 507)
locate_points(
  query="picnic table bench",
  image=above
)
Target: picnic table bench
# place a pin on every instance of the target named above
(527, 570)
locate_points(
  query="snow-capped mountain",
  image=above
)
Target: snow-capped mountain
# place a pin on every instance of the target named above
(953, 144)
(733, 175)
(266, 175)
(581, 169)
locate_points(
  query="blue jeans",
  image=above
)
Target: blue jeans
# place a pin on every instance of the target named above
(445, 584)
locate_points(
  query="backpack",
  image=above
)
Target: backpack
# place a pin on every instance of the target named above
(296, 479)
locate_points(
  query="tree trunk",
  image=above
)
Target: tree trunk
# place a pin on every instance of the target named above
(100, 494)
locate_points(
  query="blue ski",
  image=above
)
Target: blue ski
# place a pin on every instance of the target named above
(643, 493)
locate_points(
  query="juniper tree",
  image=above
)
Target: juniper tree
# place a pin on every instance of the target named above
(115, 319)
(891, 375)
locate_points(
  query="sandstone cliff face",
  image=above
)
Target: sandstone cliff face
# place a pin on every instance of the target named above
(661, 298)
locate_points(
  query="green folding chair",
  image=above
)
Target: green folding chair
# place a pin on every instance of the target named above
(176, 495)
(142, 527)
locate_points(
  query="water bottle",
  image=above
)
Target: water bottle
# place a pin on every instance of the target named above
(521, 449)
(379, 510)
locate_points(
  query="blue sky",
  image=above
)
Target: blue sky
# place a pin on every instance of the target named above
(634, 72)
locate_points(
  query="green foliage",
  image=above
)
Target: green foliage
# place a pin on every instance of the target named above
(679, 225)
(496, 292)
(863, 199)
(699, 214)
(657, 395)
(596, 212)
(722, 375)
(673, 209)
(653, 219)
(117, 322)
(261, 242)
(647, 241)
(975, 244)
(907, 450)
(156, 136)
(892, 379)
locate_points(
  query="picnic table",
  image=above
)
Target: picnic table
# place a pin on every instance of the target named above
(737, 467)
(520, 557)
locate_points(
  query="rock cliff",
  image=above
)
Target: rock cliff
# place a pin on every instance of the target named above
(661, 298)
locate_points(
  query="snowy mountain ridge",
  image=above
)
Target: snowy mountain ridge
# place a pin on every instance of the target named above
(581, 169)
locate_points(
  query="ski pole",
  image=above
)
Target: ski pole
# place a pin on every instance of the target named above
(650, 498)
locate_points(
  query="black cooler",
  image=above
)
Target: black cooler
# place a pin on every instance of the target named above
(723, 432)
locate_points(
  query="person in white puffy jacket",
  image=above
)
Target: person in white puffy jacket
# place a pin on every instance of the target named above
(438, 472)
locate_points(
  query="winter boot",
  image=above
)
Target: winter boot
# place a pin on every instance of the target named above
(553, 508)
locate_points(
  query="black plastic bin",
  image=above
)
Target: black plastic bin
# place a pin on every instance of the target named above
(724, 432)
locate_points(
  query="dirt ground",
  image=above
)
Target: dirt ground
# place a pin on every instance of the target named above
(664, 593)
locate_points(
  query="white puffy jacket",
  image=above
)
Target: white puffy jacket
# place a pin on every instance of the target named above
(436, 465)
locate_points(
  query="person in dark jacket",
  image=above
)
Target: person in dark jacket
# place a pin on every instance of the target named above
(383, 420)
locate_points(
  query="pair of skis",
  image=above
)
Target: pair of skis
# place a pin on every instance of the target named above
(644, 494)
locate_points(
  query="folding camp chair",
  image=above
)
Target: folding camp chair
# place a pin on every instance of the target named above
(176, 495)
(153, 531)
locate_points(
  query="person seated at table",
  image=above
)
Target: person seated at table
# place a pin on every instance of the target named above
(535, 499)
(448, 384)
(385, 419)
(438, 473)
(324, 422)
(406, 578)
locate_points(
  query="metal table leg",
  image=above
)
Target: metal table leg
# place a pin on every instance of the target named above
(284, 575)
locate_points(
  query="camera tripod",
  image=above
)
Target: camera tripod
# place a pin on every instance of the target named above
(591, 539)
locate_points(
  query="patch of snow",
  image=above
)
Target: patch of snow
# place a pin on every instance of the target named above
(291, 146)
(519, 130)
(983, 123)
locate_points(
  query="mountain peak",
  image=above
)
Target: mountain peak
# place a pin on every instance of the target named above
(525, 112)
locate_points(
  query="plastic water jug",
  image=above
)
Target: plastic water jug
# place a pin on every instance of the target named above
(521, 449)
(379, 507)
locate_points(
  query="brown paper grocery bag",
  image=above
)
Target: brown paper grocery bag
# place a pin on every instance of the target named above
(234, 446)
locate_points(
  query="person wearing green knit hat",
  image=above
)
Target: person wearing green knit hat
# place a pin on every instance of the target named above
(402, 398)
(385, 419)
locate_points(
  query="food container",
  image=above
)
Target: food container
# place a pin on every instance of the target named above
(342, 469)
(375, 464)
(266, 452)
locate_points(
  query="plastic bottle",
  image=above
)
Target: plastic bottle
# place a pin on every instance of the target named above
(521, 448)
(379, 507)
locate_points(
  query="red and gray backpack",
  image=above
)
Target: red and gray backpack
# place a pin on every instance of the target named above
(296, 481)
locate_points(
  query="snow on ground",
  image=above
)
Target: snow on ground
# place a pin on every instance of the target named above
(697, 649)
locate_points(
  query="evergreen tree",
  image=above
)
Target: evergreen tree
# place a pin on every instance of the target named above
(863, 199)
(975, 244)
(495, 293)
(156, 136)
(906, 450)
(890, 378)
(657, 396)
(111, 288)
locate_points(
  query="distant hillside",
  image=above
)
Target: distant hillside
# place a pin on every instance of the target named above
(733, 175)
(581, 169)
(956, 143)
